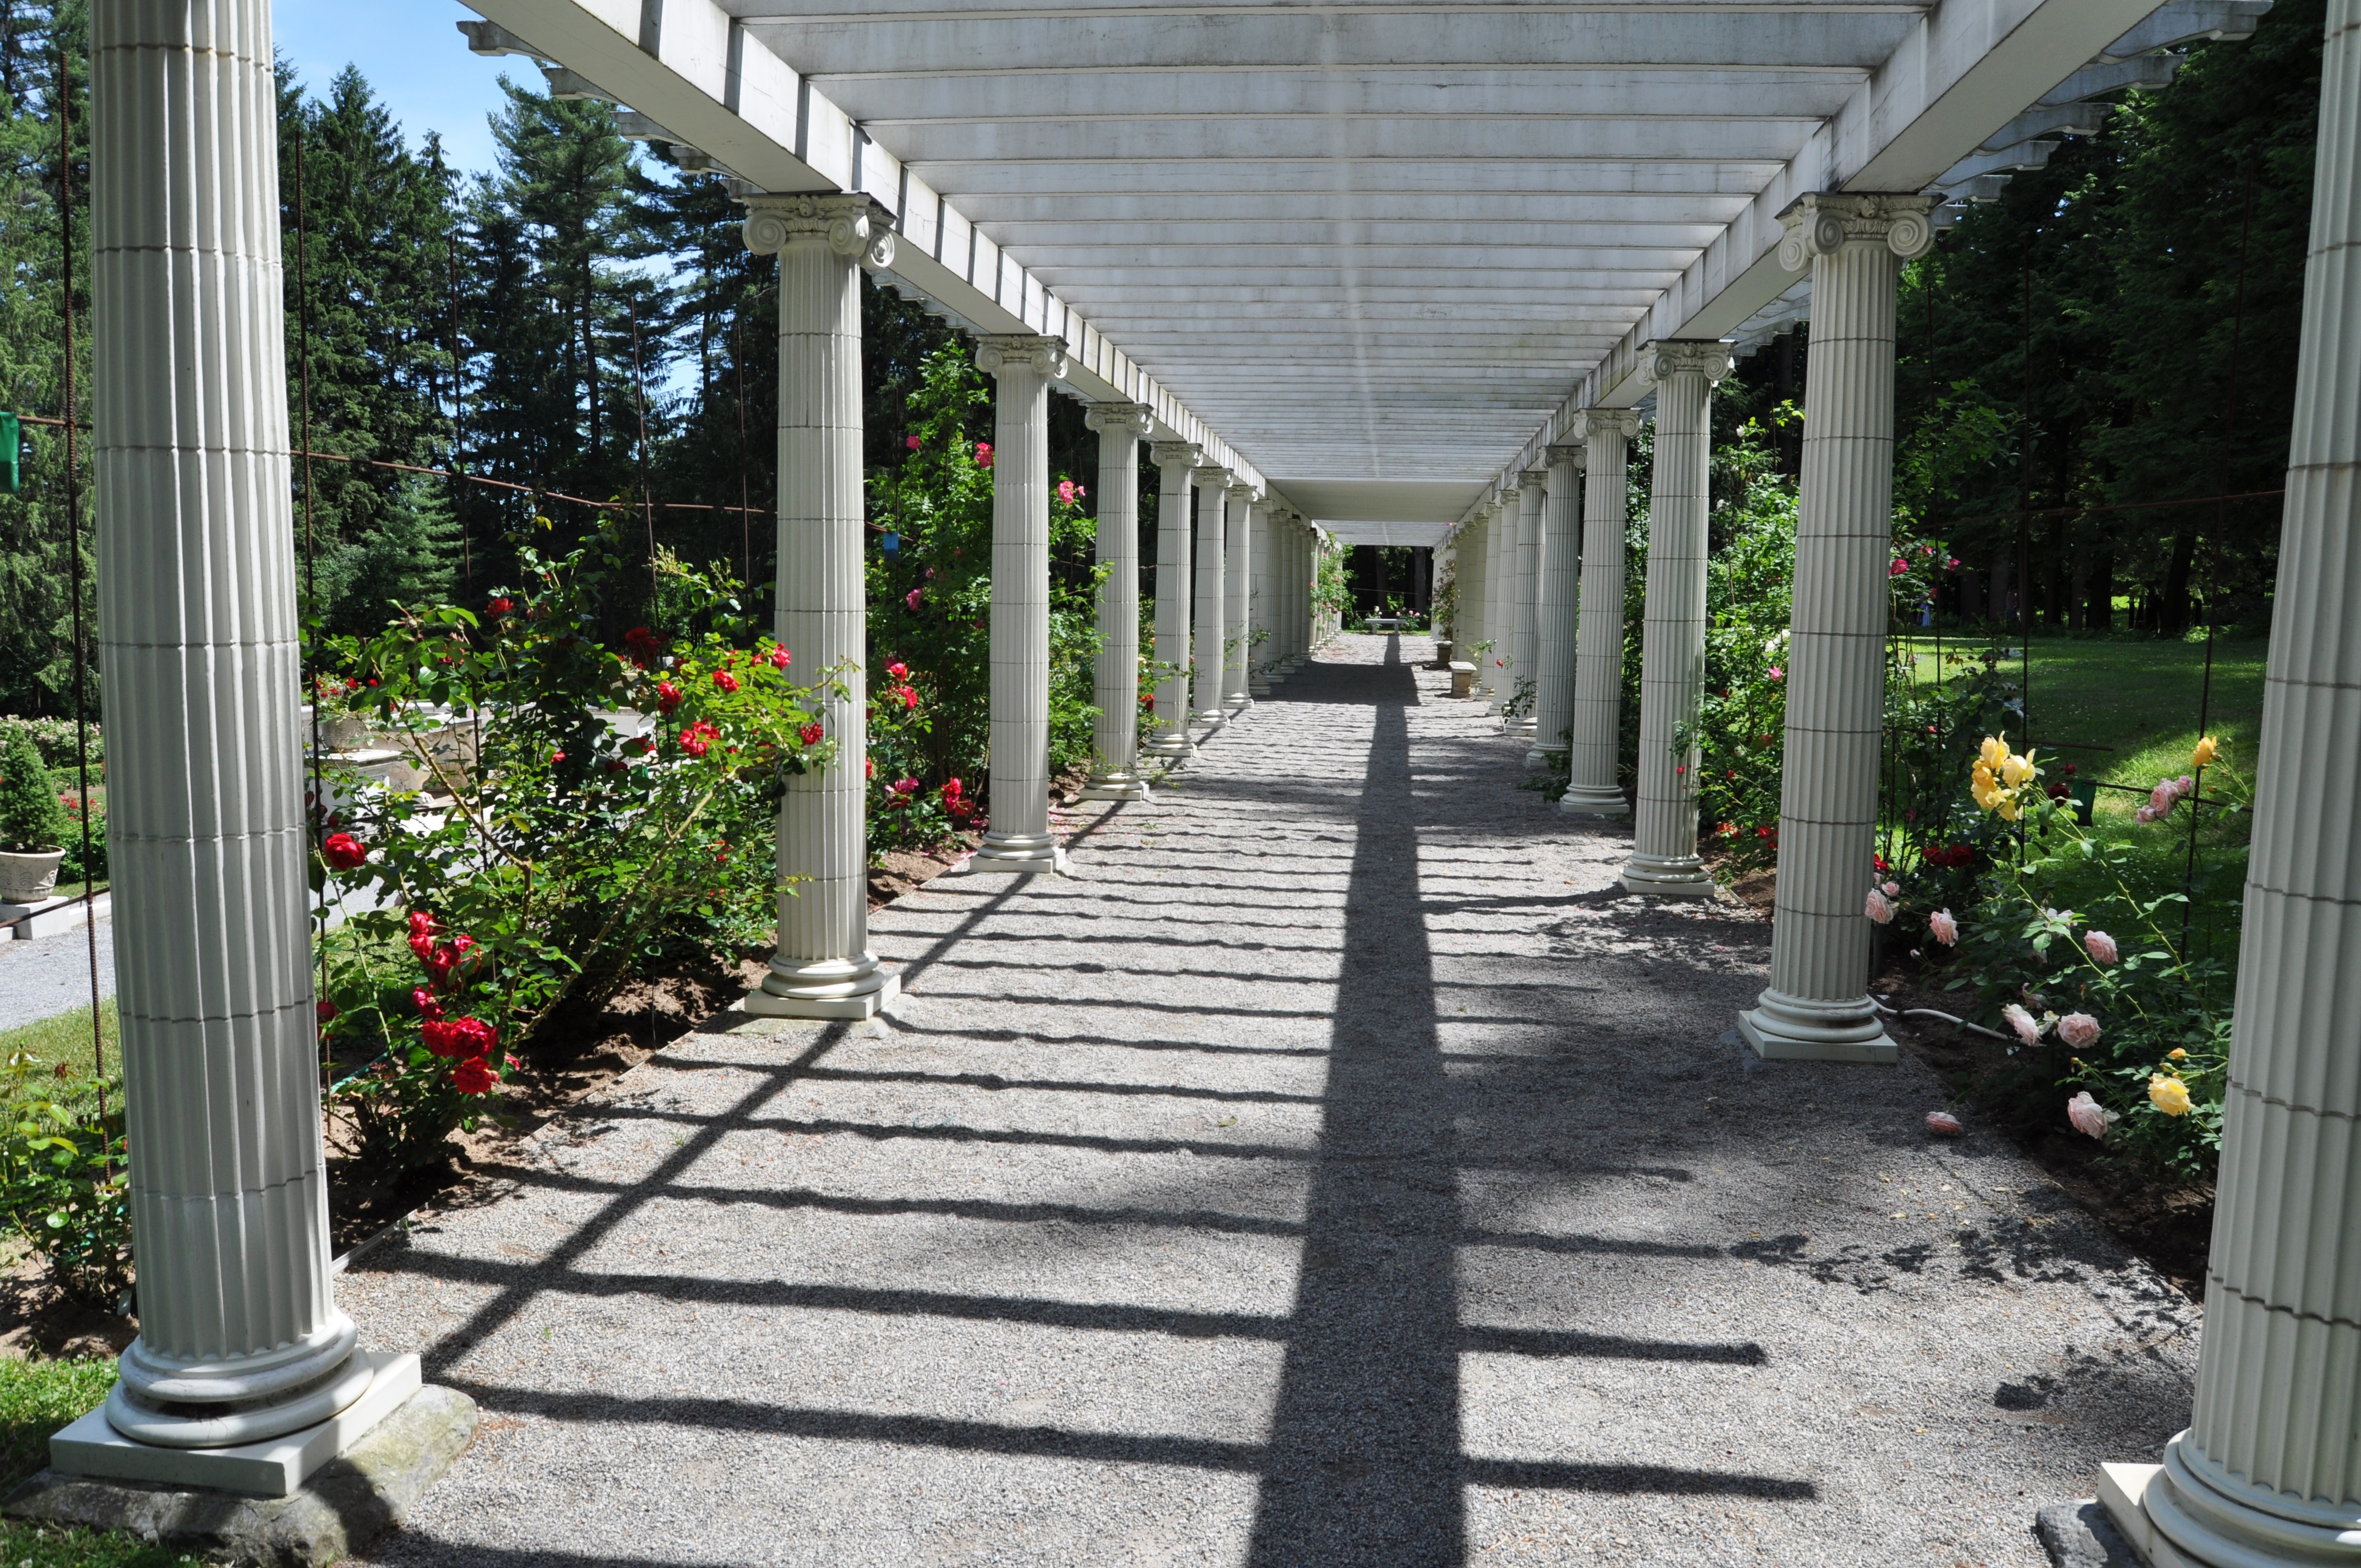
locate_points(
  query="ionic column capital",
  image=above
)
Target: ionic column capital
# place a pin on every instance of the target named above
(1212, 476)
(843, 222)
(1669, 357)
(1590, 425)
(1178, 454)
(1823, 222)
(1119, 419)
(1536, 478)
(1573, 454)
(1245, 490)
(1045, 356)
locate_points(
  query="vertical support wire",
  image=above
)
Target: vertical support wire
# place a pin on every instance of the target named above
(319, 812)
(74, 580)
(640, 406)
(745, 506)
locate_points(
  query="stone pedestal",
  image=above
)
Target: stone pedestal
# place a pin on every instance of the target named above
(1817, 1005)
(1532, 498)
(2269, 1470)
(1114, 733)
(1554, 618)
(1593, 789)
(1671, 660)
(1213, 584)
(241, 1341)
(1168, 741)
(1020, 838)
(1238, 575)
(823, 967)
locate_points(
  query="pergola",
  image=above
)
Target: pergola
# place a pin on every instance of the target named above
(1387, 269)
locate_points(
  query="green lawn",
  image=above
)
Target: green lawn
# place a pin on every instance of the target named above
(63, 1041)
(36, 1397)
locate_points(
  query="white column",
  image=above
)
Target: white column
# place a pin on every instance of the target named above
(1606, 436)
(1175, 461)
(1818, 1006)
(1018, 838)
(1238, 601)
(1529, 595)
(1554, 617)
(2269, 1470)
(1212, 615)
(1474, 594)
(1671, 660)
(1500, 602)
(823, 968)
(1114, 733)
(1269, 617)
(240, 1338)
(1299, 594)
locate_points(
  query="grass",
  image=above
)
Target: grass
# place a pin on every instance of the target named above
(36, 1397)
(63, 1041)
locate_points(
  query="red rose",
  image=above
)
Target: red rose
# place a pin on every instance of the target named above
(440, 1036)
(810, 734)
(502, 605)
(910, 441)
(694, 744)
(780, 658)
(344, 852)
(473, 1076)
(326, 1010)
(422, 932)
(870, 767)
(423, 1000)
(725, 680)
(899, 671)
(909, 698)
(667, 695)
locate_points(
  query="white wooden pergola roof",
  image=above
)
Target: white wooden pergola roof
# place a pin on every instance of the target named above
(1371, 253)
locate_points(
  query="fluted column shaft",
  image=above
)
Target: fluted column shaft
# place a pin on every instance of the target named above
(1554, 626)
(198, 637)
(1020, 838)
(1671, 660)
(822, 967)
(1530, 501)
(1475, 588)
(2269, 1469)
(1818, 1003)
(1175, 461)
(1114, 732)
(1237, 579)
(1593, 789)
(1212, 577)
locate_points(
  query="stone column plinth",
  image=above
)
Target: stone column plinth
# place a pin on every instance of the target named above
(2269, 1470)
(1167, 739)
(1606, 436)
(1212, 578)
(1554, 618)
(1671, 660)
(1818, 1006)
(240, 1337)
(1114, 733)
(1238, 598)
(1532, 498)
(1019, 838)
(823, 968)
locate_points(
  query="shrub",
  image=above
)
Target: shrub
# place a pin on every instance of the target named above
(570, 855)
(64, 1185)
(32, 818)
(54, 738)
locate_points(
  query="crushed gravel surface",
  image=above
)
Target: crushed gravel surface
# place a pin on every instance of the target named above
(1335, 1169)
(49, 975)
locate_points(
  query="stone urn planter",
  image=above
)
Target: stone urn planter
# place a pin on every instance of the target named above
(343, 731)
(26, 878)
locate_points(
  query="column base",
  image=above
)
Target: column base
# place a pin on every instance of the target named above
(1236, 705)
(1586, 800)
(1541, 759)
(1525, 727)
(1261, 687)
(832, 988)
(1169, 749)
(1114, 786)
(1682, 877)
(2177, 1515)
(1027, 853)
(271, 1467)
(1210, 718)
(1795, 1028)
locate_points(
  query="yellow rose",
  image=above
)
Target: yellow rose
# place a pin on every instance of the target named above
(2206, 751)
(1992, 752)
(2177, 1053)
(2008, 809)
(1986, 794)
(2168, 1094)
(2016, 771)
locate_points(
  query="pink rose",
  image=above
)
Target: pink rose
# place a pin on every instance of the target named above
(2101, 947)
(911, 600)
(2079, 1030)
(2022, 1021)
(1945, 928)
(1892, 890)
(1879, 908)
(2088, 1115)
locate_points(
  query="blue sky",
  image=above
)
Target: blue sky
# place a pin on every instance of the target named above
(412, 54)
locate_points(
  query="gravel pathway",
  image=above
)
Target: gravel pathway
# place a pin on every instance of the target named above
(50, 974)
(1334, 1170)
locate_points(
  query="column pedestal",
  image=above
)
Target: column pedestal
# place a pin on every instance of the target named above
(1672, 662)
(2269, 1469)
(822, 967)
(1020, 838)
